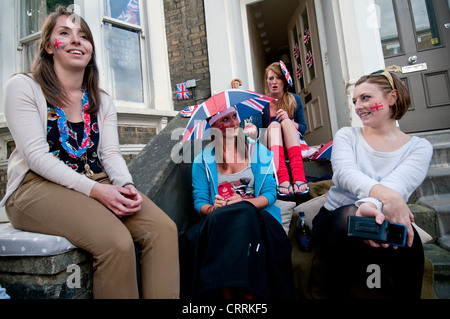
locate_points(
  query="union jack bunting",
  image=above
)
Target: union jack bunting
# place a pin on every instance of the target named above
(306, 37)
(309, 59)
(299, 72)
(182, 91)
(131, 15)
(296, 51)
(286, 73)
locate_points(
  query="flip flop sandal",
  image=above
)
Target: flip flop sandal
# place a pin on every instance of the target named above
(285, 195)
(298, 187)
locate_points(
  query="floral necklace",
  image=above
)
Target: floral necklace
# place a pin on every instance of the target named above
(64, 131)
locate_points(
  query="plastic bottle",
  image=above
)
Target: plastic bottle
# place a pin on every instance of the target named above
(304, 233)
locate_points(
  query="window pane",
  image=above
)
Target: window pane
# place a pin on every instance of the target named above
(34, 13)
(125, 10)
(125, 72)
(425, 23)
(388, 28)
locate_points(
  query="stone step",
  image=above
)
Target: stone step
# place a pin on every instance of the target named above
(435, 137)
(441, 154)
(441, 263)
(437, 182)
(425, 218)
(441, 204)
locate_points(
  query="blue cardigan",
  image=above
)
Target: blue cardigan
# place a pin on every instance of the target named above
(205, 178)
(263, 120)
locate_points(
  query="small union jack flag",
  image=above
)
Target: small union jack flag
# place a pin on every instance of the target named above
(296, 51)
(286, 73)
(306, 37)
(182, 91)
(309, 59)
(299, 72)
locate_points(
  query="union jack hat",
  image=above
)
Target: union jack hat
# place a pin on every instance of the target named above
(286, 73)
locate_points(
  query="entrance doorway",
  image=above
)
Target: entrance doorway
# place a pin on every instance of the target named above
(415, 35)
(274, 30)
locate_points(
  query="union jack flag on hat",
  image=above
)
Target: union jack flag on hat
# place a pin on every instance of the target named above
(286, 73)
(198, 131)
(182, 91)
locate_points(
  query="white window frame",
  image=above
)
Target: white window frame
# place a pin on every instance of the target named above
(154, 60)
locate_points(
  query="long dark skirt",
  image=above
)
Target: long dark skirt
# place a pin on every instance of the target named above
(353, 266)
(236, 246)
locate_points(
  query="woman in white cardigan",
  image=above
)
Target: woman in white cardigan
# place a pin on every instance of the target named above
(375, 170)
(67, 176)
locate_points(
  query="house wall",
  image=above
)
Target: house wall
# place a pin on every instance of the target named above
(187, 46)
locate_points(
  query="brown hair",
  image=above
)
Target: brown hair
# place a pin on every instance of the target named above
(287, 102)
(44, 73)
(403, 102)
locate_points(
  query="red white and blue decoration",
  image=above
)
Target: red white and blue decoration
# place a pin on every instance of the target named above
(296, 51)
(131, 14)
(187, 112)
(247, 104)
(182, 91)
(324, 152)
(286, 73)
(309, 59)
(306, 37)
(299, 72)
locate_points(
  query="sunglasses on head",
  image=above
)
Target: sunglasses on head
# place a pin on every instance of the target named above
(387, 74)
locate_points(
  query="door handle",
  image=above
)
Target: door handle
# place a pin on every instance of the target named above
(412, 59)
(305, 91)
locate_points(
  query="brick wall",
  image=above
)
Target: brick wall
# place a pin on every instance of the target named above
(187, 48)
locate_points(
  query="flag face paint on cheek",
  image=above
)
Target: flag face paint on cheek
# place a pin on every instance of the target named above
(59, 44)
(223, 127)
(375, 107)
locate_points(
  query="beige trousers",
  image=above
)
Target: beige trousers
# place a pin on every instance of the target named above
(45, 207)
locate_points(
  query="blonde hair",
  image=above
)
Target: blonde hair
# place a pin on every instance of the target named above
(287, 102)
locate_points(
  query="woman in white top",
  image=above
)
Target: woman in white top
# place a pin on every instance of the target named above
(67, 176)
(375, 170)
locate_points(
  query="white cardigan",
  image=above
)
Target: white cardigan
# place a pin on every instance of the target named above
(26, 115)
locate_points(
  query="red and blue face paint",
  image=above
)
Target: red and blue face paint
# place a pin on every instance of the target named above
(59, 44)
(222, 126)
(375, 107)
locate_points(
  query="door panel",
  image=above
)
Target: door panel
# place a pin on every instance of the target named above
(418, 37)
(308, 73)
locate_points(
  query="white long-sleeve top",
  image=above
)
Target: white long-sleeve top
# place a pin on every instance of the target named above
(357, 168)
(26, 116)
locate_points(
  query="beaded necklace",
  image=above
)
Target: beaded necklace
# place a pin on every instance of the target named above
(64, 132)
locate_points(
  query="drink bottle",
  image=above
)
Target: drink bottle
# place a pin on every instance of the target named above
(304, 233)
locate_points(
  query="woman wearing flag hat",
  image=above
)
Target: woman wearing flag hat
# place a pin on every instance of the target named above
(285, 122)
(238, 248)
